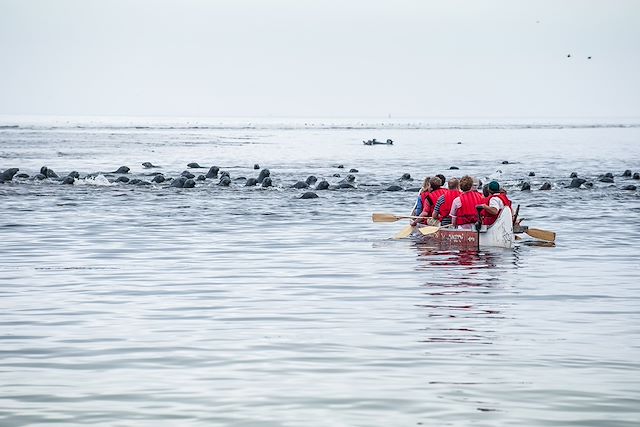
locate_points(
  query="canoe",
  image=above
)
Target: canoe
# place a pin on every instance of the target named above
(499, 234)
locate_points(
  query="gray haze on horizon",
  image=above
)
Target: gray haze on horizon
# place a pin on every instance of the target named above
(320, 58)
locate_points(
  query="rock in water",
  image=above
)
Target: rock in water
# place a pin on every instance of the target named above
(187, 174)
(256, 166)
(627, 173)
(300, 185)
(189, 183)
(251, 182)
(405, 177)
(353, 170)
(393, 188)
(453, 168)
(148, 165)
(122, 179)
(201, 178)
(225, 181)
(266, 182)
(194, 166)
(309, 195)
(158, 179)
(532, 174)
(636, 175)
(525, 186)
(629, 187)
(606, 179)
(74, 174)
(68, 180)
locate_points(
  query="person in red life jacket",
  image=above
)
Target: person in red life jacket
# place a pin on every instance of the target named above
(443, 206)
(429, 201)
(463, 209)
(418, 206)
(493, 204)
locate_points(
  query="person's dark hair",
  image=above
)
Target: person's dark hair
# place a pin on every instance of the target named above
(466, 182)
(485, 190)
(442, 179)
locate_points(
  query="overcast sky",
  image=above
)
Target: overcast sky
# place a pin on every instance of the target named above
(346, 58)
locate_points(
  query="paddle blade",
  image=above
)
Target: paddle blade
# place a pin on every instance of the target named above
(383, 217)
(425, 231)
(536, 233)
(405, 232)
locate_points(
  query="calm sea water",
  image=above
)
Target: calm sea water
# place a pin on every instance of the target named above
(123, 305)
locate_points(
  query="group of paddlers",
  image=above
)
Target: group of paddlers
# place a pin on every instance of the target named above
(460, 204)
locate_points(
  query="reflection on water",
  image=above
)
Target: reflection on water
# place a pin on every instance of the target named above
(458, 307)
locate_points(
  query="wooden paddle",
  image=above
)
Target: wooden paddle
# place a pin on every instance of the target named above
(430, 229)
(405, 232)
(384, 217)
(536, 233)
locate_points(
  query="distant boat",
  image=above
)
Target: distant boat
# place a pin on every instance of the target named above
(375, 142)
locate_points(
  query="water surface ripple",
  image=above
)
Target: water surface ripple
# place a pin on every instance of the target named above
(143, 306)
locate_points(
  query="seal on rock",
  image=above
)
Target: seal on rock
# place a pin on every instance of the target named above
(74, 174)
(189, 183)
(627, 173)
(225, 181)
(636, 175)
(49, 173)
(8, 174)
(264, 173)
(311, 180)
(605, 178)
(122, 179)
(158, 179)
(187, 174)
(122, 169)
(406, 177)
(201, 178)
(577, 182)
(251, 182)
(525, 186)
(300, 185)
(194, 166)
(213, 172)
(322, 185)
(573, 175)
(68, 180)
(545, 186)
(353, 170)
(179, 182)
(256, 166)
(532, 174)
(148, 165)
(266, 182)
(393, 188)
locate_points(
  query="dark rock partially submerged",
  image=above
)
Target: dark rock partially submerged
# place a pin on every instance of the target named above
(309, 195)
